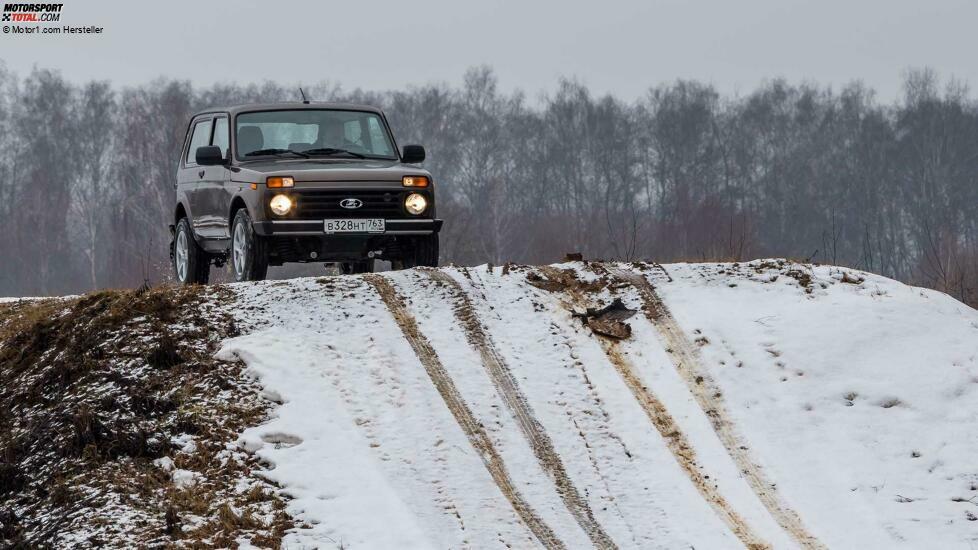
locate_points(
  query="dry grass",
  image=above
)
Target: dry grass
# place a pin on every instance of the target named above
(93, 390)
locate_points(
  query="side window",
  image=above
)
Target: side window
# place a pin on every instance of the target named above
(200, 138)
(221, 137)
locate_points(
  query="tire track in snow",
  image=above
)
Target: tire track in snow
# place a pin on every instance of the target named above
(533, 430)
(585, 434)
(708, 396)
(463, 415)
(666, 425)
(594, 399)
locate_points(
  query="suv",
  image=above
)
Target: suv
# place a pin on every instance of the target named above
(262, 185)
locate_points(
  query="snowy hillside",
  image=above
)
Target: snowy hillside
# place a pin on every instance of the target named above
(767, 404)
(761, 405)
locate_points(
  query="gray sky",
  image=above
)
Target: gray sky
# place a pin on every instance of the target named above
(618, 47)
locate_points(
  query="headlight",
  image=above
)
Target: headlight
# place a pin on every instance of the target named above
(415, 203)
(280, 204)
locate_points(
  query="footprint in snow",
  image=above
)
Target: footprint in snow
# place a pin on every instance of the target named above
(281, 440)
(890, 402)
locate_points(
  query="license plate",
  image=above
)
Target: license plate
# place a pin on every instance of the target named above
(354, 226)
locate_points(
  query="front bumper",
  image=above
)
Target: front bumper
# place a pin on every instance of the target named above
(309, 228)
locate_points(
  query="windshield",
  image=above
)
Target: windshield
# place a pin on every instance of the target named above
(313, 132)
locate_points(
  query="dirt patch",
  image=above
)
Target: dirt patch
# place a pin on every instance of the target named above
(555, 279)
(543, 283)
(608, 320)
(100, 396)
(804, 278)
(774, 270)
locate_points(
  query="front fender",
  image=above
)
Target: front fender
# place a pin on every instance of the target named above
(247, 199)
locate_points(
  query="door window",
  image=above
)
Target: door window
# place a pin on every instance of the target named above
(200, 138)
(221, 137)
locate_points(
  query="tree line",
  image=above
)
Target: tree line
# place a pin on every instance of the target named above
(684, 173)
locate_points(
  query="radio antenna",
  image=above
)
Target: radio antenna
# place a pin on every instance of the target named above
(303, 94)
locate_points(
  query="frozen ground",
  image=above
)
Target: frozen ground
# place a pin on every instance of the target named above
(768, 404)
(118, 427)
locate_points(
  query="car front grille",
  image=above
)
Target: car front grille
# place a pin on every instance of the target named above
(325, 203)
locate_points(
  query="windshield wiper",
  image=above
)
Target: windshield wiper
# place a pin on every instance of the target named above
(275, 152)
(333, 151)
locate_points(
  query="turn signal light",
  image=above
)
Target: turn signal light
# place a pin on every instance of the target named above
(415, 181)
(276, 182)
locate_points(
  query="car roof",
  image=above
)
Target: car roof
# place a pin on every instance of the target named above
(312, 105)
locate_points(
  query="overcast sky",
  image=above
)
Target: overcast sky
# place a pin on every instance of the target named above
(618, 47)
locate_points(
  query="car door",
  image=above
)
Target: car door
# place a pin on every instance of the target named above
(191, 175)
(214, 192)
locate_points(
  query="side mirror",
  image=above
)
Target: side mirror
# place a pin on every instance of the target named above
(412, 154)
(210, 155)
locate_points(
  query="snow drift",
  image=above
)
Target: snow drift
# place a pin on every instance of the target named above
(764, 405)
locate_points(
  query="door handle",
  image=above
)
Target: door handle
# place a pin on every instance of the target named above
(200, 174)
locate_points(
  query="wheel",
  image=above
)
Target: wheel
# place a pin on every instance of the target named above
(190, 263)
(424, 252)
(249, 252)
(352, 268)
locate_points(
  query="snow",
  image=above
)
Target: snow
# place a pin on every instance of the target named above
(853, 395)
(595, 423)
(352, 388)
(186, 478)
(165, 464)
(13, 299)
(185, 442)
(879, 469)
(326, 476)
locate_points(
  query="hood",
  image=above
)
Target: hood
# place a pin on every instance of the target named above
(325, 170)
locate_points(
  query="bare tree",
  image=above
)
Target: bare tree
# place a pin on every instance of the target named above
(87, 174)
(92, 191)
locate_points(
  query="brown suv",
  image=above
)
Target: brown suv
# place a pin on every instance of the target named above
(262, 185)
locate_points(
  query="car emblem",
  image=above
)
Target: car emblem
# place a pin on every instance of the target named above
(351, 203)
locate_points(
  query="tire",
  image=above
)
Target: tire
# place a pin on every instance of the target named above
(249, 252)
(353, 268)
(191, 265)
(424, 253)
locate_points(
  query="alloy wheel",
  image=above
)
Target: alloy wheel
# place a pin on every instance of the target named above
(239, 247)
(181, 255)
